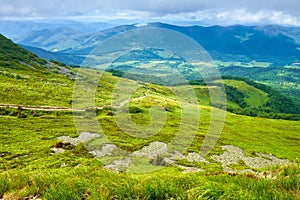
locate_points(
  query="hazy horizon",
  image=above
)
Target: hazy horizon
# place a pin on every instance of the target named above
(191, 12)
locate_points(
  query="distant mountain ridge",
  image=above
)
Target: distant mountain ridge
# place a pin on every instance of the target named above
(243, 42)
(48, 55)
(265, 43)
(64, 40)
(15, 29)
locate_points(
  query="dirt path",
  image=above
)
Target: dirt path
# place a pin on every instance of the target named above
(127, 101)
(54, 108)
(38, 108)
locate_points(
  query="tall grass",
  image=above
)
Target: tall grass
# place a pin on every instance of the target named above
(97, 183)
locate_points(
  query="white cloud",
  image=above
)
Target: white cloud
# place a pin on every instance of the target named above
(223, 12)
(284, 19)
(237, 16)
(261, 17)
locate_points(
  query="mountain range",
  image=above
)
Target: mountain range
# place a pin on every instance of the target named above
(276, 44)
(14, 29)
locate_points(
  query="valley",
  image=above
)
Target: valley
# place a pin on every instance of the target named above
(70, 132)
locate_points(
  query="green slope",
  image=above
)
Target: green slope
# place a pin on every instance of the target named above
(254, 98)
(26, 79)
(43, 87)
(283, 78)
(9, 52)
(28, 169)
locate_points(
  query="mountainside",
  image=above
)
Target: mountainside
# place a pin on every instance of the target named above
(257, 99)
(71, 42)
(9, 51)
(16, 29)
(246, 42)
(285, 79)
(243, 96)
(122, 147)
(26, 79)
(279, 45)
(159, 66)
(54, 40)
(72, 60)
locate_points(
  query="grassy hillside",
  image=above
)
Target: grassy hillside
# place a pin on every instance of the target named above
(25, 79)
(41, 87)
(27, 160)
(272, 103)
(31, 167)
(12, 52)
(162, 67)
(284, 78)
(34, 86)
(254, 98)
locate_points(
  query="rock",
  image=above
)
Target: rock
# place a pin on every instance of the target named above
(57, 150)
(153, 150)
(107, 149)
(83, 137)
(87, 136)
(233, 155)
(119, 165)
(174, 156)
(195, 157)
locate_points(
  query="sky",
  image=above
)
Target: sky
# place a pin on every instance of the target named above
(225, 12)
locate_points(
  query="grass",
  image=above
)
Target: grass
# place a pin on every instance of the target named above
(282, 78)
(26, 142)
(169, 183)
(254, 98)
(34, 87)
(278, 137)
(250, 134)
(29, 170)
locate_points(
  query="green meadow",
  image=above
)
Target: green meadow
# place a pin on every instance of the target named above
(30, 169)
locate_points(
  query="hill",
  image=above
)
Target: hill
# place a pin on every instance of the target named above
(243, 95)
(34, 83)
(50, 38)
(285, 79)
(44, 154)
(74, 60)
(9, 51)
(17, 29)
(268, 54)
(27, 79)
(260, 98)
(243, 43)
(70, 41)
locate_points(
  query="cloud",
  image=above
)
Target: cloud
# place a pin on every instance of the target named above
(241, 16)
(232, 17)
(213, 11)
